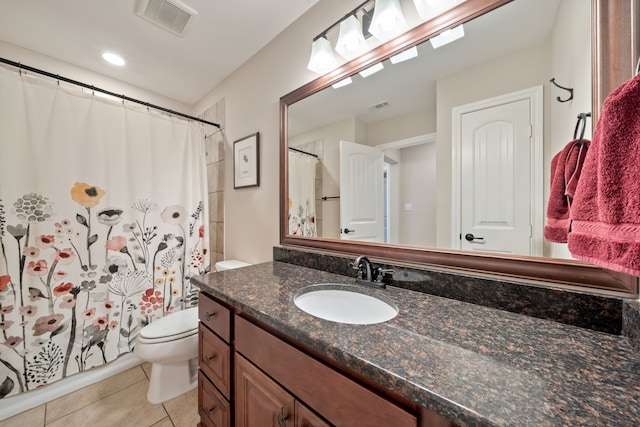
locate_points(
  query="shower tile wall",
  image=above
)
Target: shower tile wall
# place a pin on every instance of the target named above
(215, 143)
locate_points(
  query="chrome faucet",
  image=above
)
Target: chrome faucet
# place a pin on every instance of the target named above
(363, 265)
(368, 274)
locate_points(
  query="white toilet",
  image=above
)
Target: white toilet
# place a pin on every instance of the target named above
(171, 345)
(230, 264)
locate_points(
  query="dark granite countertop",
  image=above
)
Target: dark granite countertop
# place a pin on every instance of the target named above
(473, 365)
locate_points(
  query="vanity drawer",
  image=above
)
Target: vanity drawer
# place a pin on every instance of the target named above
(214, 357)
(213, 408)
(337, 398)
(215, 316)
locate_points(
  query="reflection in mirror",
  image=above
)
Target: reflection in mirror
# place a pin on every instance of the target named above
(399, 121)
(415, 114)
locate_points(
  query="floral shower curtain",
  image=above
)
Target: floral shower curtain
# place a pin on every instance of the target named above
(302, 194)
(102, 222)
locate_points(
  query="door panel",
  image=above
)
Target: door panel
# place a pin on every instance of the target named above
(496, 179)
(361, 192)
(260, 401)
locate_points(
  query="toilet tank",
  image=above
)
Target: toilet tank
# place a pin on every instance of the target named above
(230, 264)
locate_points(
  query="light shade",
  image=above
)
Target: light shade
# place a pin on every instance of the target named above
(371, 70)
(351, 42)
(405, 55)
(343, 82)
(388, 20)
(322, 58)
(448, 36)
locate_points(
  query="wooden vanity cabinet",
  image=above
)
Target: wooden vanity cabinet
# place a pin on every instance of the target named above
(250, 378)
(260, 401)
(337, 398)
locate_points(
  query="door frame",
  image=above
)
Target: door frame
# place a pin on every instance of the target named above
(536, 98)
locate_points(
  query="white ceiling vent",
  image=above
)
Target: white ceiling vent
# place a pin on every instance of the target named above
(172, 15)
(379, 106)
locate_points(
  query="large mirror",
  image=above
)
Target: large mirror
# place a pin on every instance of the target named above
(412, 116)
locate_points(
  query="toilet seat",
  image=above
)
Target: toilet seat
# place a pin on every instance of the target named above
(175, 326)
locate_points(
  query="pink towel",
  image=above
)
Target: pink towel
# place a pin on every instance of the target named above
(566, 167)
(605, 214)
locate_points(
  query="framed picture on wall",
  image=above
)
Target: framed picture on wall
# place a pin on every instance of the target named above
(246, 161)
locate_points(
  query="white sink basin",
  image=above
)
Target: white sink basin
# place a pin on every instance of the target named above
(345, 304)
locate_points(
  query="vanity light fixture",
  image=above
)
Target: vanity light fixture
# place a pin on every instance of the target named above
(381, 18)
(351, 41)
(447, 36)
(371, 70)
(388, 20)
(113, 59)
(322, 58)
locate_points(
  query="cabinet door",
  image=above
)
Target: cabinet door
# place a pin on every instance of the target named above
(260, 402)
(307, 418)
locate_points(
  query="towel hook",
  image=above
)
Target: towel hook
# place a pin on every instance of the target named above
(570, 90)
(582, 120)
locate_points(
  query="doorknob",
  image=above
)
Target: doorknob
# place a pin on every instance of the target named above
(347, 231)
(470, 237)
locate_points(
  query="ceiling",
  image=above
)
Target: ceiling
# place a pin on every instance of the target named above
(223, 35)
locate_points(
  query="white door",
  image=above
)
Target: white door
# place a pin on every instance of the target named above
(495, 181)
(361, 192)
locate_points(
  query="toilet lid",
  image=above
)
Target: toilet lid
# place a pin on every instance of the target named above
(177, 323)
(230, 264)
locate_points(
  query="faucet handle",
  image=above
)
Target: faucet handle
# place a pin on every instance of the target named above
(381, 272)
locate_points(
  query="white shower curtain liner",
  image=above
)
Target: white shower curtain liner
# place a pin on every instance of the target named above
(302, 194)
(103, 220)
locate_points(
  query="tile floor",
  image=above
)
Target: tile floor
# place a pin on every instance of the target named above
(118, 401)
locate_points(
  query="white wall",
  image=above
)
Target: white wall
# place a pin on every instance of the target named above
(418, 188)
(571, 67)
(410, 125)
(252, 95)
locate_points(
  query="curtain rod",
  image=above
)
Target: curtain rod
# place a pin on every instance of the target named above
(94, 88)
(304, 152)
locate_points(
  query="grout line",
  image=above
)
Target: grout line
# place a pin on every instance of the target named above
(168, 416)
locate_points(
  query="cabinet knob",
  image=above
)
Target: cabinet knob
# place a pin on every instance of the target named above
(208, 316)
(208, 411)
(208, 359)
(282, 420)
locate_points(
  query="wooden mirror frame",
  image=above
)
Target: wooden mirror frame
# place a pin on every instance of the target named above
(615, 48)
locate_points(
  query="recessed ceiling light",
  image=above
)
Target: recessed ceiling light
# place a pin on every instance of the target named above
(113, 58)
